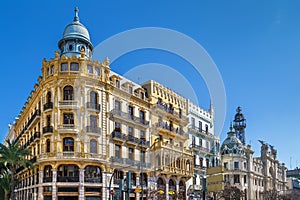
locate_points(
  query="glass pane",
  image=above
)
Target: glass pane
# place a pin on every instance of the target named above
(74, 66)
(64, 67)
(90, 69)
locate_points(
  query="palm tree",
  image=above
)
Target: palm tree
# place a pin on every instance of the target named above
(5, 180)
(13, 156)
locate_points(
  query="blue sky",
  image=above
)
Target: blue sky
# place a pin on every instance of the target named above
(255, 45)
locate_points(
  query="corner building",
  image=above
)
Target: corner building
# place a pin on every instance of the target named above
(88, 129)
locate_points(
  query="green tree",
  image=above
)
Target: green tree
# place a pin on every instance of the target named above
(12, 156)
(5, 179)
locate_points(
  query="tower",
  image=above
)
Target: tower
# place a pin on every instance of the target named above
(239, 125)
(76, 38)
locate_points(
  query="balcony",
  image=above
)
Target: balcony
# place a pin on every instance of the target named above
(68, 104)
(93, 106)
(200, 149)
(115, 159)
(171, 111)
(67, 128)
(128, 117)
(68, 179)
(47, 179)
(93, 129)
(48, 105)
(171, 130)
(116, 135)
(133, 140)
(144, 143)
(202, 132)
(47, 129)
(92, 179)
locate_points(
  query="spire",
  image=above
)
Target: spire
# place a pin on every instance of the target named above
(76, 18)
(230, 128)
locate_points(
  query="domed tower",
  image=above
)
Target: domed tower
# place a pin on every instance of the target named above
(232, 145)
(239, 125)
(75, 39)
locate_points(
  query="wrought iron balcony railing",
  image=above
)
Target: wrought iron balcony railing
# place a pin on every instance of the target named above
(48, 105)
(94, 106)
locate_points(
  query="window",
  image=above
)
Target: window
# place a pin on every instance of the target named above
(93, 121)
(68, 93)
(245, 178)
(97, 71)
(68, 144)
(130, 130)
(200, 142)
(93, 98)
(117, 105)
(178, 163)
(142, 134)
(74, 67)
(117, 126)
(48, 145)
(118, 151)
(193, 140)
(130, 111)
(68, 118)
(52, 69)
(236, 165)
(245, 165)
(89, 69)
(193, 122)
(48, 120)
(200, 126)
(206, 128)
(236, 178)
(130, 89)
(48, 97)
(64, 67)
(93, 146)
(143, 156)
(142, 116)
(142, 95)
(226, 165)
(117, 83)
(227, 178)
(131, 153)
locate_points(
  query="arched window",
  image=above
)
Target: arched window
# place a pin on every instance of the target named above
(68, 144)
(47, 174)
(93, 146)
(68, 93)
(48, 145)
(178, 163)
(48, 97)
(93, 174)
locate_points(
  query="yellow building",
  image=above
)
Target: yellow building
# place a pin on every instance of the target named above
(172, 161)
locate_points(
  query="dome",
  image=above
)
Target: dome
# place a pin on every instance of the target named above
(232, 145)
(75, 38)
(76, 30)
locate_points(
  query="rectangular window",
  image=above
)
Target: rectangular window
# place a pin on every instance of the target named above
(97, 71)
(64, 67)
(74, 67)
(142, 116)
(143, 156)
(118, 151)
(236, 165)
(236, 178)
(227, 178)
(117, 126)
(93, 121)
(117, 105)
(89, 69)
(193, 122)
(142, 95)
(131, 153)
(226, 165)
(206, 128)
(130, 130)
(200, 126)
(130, 111)
(117, 83)
(193, 140)
(130, 89)
(245, 178)
(68, 118)
(142, 134)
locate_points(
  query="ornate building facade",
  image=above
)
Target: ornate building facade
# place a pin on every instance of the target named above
(252, 175)
(93, 133)
(205, 146)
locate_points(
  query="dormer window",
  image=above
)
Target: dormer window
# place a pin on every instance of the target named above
(142, 95)
(74, 67)
(130, 89)
(117, 83)
(64, 67)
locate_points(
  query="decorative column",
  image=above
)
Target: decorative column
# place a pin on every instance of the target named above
(54, 175)
(40, 192)
(137, 195)
(167, 189)
(81, 184)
